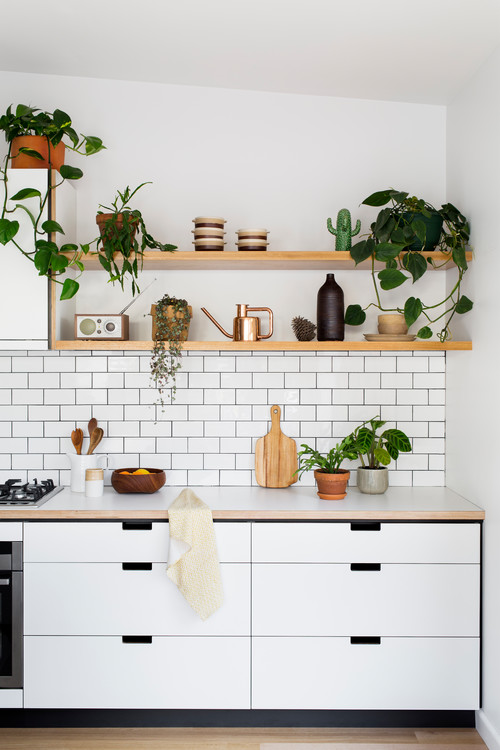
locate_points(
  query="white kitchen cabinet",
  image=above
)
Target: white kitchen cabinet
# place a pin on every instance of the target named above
(398, 673)
(24, 323)
(116, 599)
(105, 672)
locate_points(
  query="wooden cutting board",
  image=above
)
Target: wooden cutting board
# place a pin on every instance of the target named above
(275, 456)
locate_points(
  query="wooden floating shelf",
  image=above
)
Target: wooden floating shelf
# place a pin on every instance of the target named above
(230, 260)
(262, 346)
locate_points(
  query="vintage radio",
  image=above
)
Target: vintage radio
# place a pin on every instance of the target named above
(97, 327)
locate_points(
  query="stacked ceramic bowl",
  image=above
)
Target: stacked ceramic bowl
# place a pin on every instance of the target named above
(208, 233)
(252, 239)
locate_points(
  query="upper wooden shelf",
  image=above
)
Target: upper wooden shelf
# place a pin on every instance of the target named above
(286, 346)
(231, 260)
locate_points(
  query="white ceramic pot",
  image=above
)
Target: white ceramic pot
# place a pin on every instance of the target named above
(372, 481)
(80, 464)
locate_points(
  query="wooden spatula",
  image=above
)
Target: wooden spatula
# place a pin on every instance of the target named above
(275, 456)
(77, 439)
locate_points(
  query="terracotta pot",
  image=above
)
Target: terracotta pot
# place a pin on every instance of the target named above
(393, 323)
(332, 486)
(115, 229)
(372, 481)
(170, 314)
(37, 143)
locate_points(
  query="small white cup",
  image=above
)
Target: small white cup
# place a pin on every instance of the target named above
(79, 465)
(94, 482)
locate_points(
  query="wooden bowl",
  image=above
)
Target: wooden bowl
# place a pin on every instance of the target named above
(144, 483)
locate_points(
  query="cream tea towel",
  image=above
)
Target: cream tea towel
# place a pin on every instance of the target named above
(193, 563)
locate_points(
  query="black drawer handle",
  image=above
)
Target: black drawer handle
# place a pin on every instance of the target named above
(365, 526)
(361, 640)
(137, 525)
(137, 566)
(366, 566)
(137, 639)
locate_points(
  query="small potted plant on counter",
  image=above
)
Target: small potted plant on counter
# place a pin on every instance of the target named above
(397, 238)
(375, 451)
(330, 478)
(38, 140)
(120, 252)
(171, 319)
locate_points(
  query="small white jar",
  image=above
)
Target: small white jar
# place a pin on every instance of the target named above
(94, 482)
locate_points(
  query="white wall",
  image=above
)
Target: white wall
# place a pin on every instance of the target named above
(284, 162)
(473, 394)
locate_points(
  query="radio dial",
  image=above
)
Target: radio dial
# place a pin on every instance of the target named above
(110, 326)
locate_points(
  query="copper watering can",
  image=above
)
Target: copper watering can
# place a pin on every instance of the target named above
(246, 327)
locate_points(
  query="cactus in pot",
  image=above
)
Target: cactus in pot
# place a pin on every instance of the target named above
(343, 231)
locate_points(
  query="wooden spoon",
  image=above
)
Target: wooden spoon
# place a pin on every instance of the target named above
(92, 425)
(95, 439)
(77, 440)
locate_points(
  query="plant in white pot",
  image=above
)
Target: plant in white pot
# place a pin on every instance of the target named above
(375, 451)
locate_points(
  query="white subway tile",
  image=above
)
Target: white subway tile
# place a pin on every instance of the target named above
(235, 445)
(348, 364)
(13, 445)
(55, 461)
(437, 396)
(316, 429)
(122, 461)
(155, 461)
(380, 364)
(27, 396)
(5, 397)
(358, 414)
(429, 380)
(333, 380)
(172, 412)
(123, 429)
(148, 396)
(300, 380)
(234, 413)
(415, 429)
(13, 380)
(236, 379)
(43, 445)
(220, 429)
(27, 364)
(292, 429)
(187, 429)
(11, 413)
(436, 429)
(219, 364)
(155, 429)
(429, 354)
(36, 413)
(396, 413)
(123, 395)
(172, 445)
(106, 412)
(203, 445)
(138, 445)
(217, 461)
(123, 364)
(220, 395)
(284, 364)
(437, 365)
(428, 478)
(413, 364)
(400, 478)
(251, 429)
(189, 396)
(59, 396)
(429, 413)
(268, 380)
(177, 478)
(316, 396)
(7, 429)
(413, 396)
(187, 461)
(59, 364)
(202, 478)
(243, 461)
(5, 364)
(300, 413)
(94, 396)
(364, 380)
(348, 396)
(251, 364)
(284, 396)
(78, 413)
(315, 364)
(413, 461)
(235, 478)
(31, 462)
(68, 379)
(436, 462)
(428, 445)
(337, 412)
(109, 380)
(251, 396)
(396, 380)
(204, 380)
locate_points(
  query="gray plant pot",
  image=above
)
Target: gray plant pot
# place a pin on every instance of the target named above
(372, 481)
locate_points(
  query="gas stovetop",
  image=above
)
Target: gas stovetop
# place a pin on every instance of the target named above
(34, 493)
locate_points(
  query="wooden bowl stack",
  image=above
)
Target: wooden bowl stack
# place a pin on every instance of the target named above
(252, 239)
(208, 233)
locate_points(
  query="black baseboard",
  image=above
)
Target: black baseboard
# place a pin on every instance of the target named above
(38, 717)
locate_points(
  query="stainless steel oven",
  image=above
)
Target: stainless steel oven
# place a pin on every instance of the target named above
(11, 615)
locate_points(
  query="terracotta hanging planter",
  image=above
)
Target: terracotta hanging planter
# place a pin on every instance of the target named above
(332, 486)
(37, 143)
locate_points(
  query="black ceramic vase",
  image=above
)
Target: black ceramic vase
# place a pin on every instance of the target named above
(330, 311)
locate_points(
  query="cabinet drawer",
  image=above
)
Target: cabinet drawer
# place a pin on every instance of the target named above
(117, 541)
(366, 542)
(104, 672)
(104, 599)
(11, 531)
(397, 600)
(332, 673)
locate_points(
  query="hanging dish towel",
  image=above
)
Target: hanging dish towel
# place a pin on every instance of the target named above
(193, 563)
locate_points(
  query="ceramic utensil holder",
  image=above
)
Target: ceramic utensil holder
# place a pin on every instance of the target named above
(80, 464)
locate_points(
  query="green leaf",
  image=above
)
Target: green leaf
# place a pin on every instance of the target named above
(413, 310)
(398, 439)
(26, 193)
(70, 173)
(70, 288)
(23, 109)
(61, 119)
(458, 255)
(355, 315)
(8, 230)
(72, 135)
(388, 251)
(424, 333)
(31, 152)
(52, 226)
(58, 262)
(68, 248)
(362, 250)
(415, 264)
(382, 456)
(420, 230)
(463, 305)
(364, 440)
(378, 199)
(105, 263)
(79, 265)
(93, 145)
(42, 260)
(390, 278)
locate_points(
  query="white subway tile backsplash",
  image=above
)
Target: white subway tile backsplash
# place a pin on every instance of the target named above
(222, 406)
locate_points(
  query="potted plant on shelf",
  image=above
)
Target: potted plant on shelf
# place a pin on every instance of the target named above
(330, 478)
(375, 451)
(407, 225)
(38, 139)
(121, 253)
(171, 319)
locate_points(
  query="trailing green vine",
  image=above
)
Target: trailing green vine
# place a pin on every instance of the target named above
(166, 362)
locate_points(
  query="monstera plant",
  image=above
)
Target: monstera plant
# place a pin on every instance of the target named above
(38, 139)
(402, 229)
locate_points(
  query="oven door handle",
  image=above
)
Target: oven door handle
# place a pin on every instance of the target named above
(4, 581)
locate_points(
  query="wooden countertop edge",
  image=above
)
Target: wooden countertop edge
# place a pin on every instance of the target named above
(249, 515)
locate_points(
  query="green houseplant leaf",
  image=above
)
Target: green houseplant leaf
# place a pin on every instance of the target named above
(8, 230)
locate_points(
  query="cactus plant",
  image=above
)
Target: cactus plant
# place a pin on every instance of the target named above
(343, 232)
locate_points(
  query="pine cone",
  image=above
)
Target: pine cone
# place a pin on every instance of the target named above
(303, 329)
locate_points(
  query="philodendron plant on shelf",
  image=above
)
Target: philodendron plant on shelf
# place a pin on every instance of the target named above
(397, 234)
(52, 129)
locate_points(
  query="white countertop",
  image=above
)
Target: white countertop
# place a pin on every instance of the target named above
(400, 503)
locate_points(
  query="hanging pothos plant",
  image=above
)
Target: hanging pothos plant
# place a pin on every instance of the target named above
(398, 231)
(171, 319)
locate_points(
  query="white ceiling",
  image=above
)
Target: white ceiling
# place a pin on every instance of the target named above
(418, 51)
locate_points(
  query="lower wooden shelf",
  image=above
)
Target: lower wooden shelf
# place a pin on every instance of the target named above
(262, 346)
